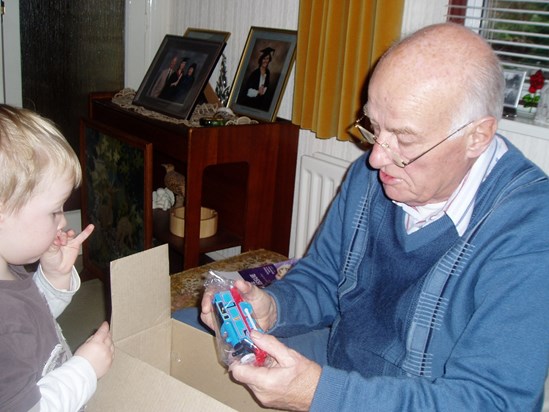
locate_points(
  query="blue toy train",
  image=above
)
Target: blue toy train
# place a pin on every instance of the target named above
(235, 324)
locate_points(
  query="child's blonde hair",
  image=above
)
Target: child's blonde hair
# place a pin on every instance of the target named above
(31, 147)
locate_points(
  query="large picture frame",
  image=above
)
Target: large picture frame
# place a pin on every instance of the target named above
(116, 195)
(514, 80)
(177, 75)
(256, 94)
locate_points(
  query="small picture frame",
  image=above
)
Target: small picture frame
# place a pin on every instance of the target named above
(263, 72)
(211, 35)
(177, 75)
(116, 195)
(514, 80)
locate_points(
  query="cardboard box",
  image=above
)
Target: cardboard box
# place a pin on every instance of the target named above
(160, 364)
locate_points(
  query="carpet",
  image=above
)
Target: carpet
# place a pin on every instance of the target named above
(84, 314)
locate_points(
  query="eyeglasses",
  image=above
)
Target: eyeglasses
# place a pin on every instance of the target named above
(369, 137)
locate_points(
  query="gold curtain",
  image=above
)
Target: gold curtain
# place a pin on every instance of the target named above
(338, 43)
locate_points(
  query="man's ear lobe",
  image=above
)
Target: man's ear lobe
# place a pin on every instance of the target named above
(481, 136)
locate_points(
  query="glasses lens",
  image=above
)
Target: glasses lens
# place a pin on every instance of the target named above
(362, 125)
(366, 134)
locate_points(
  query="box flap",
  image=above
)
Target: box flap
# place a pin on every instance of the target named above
(140, 292)
(152, 346)
(132, 385)
(195, 362)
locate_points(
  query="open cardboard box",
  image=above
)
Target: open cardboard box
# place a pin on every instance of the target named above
(160, 364)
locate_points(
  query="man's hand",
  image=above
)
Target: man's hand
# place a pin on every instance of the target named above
(98, 350)
(58, 261)
(264, 306)
(289, 383)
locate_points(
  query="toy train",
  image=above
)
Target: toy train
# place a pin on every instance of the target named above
(235, 321)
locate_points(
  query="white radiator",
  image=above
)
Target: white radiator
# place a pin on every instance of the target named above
(319, 178)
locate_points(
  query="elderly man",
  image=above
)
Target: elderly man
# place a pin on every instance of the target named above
(163, 77)
(430, 269)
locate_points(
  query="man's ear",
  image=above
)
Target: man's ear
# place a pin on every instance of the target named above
(481, 136)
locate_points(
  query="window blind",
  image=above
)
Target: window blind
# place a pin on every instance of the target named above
(518, 31)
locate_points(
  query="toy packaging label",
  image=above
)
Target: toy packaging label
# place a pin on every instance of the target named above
(261, 276)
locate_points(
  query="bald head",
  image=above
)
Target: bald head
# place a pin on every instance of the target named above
(445, 65)
(436, 96)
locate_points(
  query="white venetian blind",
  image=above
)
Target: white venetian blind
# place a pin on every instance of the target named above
(517, 30)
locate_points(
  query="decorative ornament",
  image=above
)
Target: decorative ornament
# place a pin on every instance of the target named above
(175, 181)
(221, 87)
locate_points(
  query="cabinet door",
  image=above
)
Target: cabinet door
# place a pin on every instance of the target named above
(116, 195)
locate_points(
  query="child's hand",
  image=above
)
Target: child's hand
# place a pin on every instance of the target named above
(60, 257)
(98, 350)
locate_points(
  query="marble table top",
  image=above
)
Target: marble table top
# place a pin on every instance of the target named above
(187, 286)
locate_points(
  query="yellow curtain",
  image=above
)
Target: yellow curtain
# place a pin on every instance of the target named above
(338, 43)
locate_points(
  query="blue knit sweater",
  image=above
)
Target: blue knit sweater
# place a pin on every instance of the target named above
(431, 320)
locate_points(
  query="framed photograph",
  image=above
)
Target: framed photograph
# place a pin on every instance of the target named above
(514, 80)
(211, 35)
(209, 93)
(116, 195)
(263, 72)
(179, 71)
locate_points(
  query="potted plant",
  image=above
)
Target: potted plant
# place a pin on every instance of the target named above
(531, 99)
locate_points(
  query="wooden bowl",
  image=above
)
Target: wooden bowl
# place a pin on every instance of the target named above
(208, 222)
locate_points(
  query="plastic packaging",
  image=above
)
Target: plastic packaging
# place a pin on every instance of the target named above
(234, 322)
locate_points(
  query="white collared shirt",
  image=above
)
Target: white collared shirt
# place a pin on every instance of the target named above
(460, 205)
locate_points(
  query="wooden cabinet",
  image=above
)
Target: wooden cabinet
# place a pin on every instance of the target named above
(246, 173)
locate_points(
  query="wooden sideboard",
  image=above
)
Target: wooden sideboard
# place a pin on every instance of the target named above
(246, 173)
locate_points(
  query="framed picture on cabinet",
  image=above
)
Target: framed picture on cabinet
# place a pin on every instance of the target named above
(514, 80)
(211, 35)
(210, 95)
(177, 75)
(263, 72)
(116, 195)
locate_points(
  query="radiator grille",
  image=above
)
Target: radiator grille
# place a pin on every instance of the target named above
(320, 177)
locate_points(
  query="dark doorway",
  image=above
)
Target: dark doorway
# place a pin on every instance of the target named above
(69, 49)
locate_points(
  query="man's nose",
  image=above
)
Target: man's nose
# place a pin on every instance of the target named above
(379, 156)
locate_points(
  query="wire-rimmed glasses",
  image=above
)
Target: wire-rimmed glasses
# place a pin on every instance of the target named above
(369, 137)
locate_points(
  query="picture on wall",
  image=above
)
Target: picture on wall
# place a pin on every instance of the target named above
(263, 72)
(179, 71)
(116, 195)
